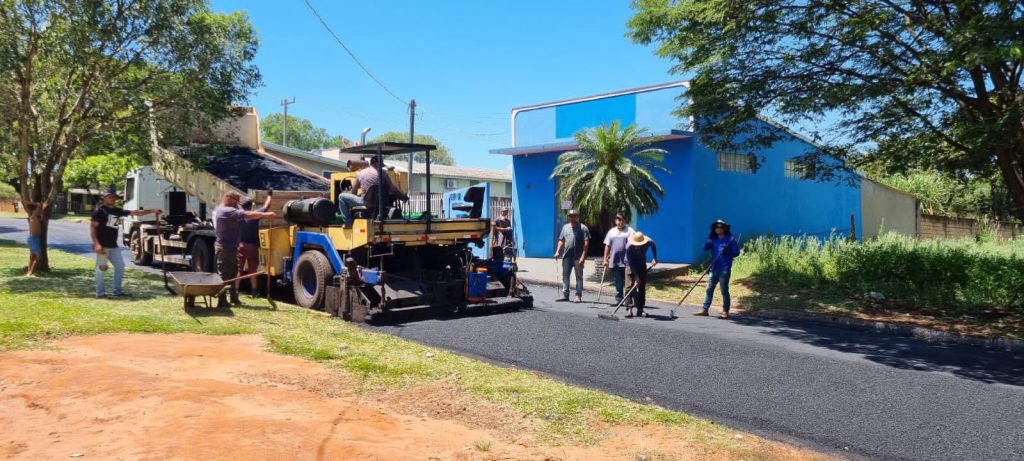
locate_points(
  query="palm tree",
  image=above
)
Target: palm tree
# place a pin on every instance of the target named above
(611, 172)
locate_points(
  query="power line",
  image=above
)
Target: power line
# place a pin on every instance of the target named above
(352, 55)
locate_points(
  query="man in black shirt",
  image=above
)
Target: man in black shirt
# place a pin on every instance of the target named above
(104, 231)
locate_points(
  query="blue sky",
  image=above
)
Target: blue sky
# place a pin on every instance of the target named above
(467, 63)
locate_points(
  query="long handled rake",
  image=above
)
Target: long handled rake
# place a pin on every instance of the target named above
(625, 297)
(672, 313)
(600, 287)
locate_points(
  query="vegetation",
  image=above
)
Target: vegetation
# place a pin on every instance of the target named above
(612, 171)
(99, 171)
(79, 77)
(38, 310)
(941, 194)
(441, 156)
(7, 192)
(302, 134)
(974, 286)
(930, 85)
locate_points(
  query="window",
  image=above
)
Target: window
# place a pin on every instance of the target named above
(327, 173)
(129, 189)
(738, 163)
(798, 171)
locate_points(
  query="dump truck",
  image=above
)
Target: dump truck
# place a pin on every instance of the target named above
(387, 259)
(188, 182)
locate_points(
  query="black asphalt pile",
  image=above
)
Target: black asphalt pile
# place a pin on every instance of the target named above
(245, 169)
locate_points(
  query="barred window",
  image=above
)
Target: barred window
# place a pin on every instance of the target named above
(738, 163)
(798, 171)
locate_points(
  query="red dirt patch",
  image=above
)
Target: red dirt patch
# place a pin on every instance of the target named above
(223, 397)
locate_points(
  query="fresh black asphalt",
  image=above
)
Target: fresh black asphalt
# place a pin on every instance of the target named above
(854, 393)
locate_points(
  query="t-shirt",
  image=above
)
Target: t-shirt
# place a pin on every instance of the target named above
(505, 235)
(226, 221)
(367, 177)
(636, 255)
(617, 240)
(107, 231)
(249, 230)
(575, 238)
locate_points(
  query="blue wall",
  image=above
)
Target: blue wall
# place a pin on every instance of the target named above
(767, 202)
(533, 202)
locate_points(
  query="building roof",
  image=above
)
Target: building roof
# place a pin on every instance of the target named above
(449, 171)
(563, 146)
(285, 150)
(660, 86)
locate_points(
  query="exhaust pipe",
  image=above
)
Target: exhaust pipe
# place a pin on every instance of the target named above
(362, 138)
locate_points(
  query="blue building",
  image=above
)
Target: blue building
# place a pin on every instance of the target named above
(703, 185)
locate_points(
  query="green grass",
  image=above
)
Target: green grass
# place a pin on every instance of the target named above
(56, 217)
(34, 311)
(973, 286)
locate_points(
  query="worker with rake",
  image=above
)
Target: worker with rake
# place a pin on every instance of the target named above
(636, 257)
(724, 249)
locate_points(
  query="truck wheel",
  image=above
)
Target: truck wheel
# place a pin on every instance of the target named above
(309, 282)
(139, 254)
(202, 256)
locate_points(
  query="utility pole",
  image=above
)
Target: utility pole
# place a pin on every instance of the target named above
(412, 138)
(285, 102)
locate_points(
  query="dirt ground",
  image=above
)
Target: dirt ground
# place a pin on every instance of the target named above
(207, 397)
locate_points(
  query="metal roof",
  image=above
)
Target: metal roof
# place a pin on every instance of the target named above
(389, 148)
(449, 171)
(661, 135)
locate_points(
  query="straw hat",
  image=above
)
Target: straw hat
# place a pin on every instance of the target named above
(638, 238)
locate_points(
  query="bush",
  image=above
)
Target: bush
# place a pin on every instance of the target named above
(958, 273)
(8, 193)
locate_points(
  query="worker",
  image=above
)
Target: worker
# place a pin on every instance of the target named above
(636, 257)
(724, 249)
(574, 238)
(105, 232)
(365, 179)
(249, 241)
(615, 243)
(227, 227)
(503, 233)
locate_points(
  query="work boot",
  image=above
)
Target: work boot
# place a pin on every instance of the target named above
(236, 302)
(724, 315)
(565, 297)
(701, 313)
(578, 299)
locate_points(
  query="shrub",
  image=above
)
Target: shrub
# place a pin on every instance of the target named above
(955, 273)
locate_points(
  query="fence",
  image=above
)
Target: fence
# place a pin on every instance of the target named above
(937, 227)
(418, 202)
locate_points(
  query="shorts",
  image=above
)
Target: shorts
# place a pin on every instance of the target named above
(35, 244)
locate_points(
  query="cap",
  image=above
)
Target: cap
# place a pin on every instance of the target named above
(573, 213)
(111, 191)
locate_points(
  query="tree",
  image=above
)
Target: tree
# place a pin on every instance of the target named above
(936, 83)
(77, 77)
(612, 171)
(99, 170)
(441, 156)
(302, 134)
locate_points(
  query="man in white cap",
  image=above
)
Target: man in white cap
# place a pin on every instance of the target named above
(104, 231)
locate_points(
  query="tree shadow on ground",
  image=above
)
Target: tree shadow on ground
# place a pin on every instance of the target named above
(77, 283)
(969, 362)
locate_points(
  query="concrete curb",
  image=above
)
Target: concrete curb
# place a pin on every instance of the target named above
(892, 329)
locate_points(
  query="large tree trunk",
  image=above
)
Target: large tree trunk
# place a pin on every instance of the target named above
(38, 226)
(1011, 165)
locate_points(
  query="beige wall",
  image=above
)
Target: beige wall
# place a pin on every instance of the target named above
(884, 207)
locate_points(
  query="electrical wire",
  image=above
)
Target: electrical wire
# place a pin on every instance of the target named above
(352, 55)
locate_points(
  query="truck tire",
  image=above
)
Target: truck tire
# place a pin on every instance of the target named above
(140, 256)
(309, 282)
(202, 256)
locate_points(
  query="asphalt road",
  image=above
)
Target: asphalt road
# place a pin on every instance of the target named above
(858, 394)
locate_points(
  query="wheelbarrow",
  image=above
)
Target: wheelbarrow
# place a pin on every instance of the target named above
(204, 285)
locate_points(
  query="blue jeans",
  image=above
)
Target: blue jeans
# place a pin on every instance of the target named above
(569, 265)
(346, 201)
(619, 273)
(718, 276)
(115, 259)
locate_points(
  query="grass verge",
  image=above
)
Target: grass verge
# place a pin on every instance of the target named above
(60, 303)
(962, 286)
(56, 217)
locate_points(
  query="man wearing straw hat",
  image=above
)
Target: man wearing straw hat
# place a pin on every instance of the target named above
(636, 257)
